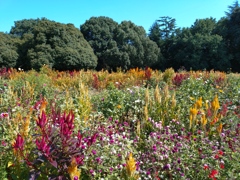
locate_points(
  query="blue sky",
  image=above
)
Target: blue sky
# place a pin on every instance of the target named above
(140, 12)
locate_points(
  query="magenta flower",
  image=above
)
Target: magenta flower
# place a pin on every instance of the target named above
(4, 115)
(18, 143)
(43, 146)
(92, 139)
(42, 121)
(94, 152)
(79, 139)
(67, 124)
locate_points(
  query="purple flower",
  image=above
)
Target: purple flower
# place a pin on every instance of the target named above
(167, 166)
(94, 152)
(91, 172)
(154, 147)
(179, 161)
(98, 159)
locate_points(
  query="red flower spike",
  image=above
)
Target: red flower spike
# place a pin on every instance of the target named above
(43, 146)
(79, 137)
(67, 124)
(42, 121)
(18, 143)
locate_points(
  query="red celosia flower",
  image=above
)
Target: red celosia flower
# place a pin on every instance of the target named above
(205, 167)
(18, 143)
(156, 176)
(43, 146)
(148, 73)
(213, 173)
(92, 139)
(220, 152)
(222, 165)
(67, 124)
(42, 121)
(216, 156)
(79, 141)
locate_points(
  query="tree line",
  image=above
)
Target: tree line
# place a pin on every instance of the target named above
(102, 43)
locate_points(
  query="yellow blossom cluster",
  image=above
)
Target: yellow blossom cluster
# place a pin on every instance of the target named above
(73, 170)
(131, 167)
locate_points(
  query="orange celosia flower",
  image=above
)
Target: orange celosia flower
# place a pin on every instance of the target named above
(219, 128)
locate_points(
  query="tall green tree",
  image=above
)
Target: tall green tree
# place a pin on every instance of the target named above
(204, 26)
(61, 46)
(122, 45)
(232, 37)
(199, 47)
(8, 51)
(167, 25)
(163, 33)
(155, 33)
(98, 31)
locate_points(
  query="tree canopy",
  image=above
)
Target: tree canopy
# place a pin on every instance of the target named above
(102, 43)
(122, 45)
(8, 51)
(61, 46)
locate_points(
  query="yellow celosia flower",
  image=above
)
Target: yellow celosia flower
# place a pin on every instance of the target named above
(215, 103)
(157, 95)
(219, 128)
(199, 103)
(119, 106)
(146, 112)
(191, 119)
(193, 114)
(73, 170)
(193, 111)
(206, 104)
(203, 120)
(130, 165)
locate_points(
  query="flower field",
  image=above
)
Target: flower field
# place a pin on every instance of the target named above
(139, 124)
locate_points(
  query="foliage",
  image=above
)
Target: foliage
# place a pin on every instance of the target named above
(122, 45)
(8, 51)
(46, 42)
